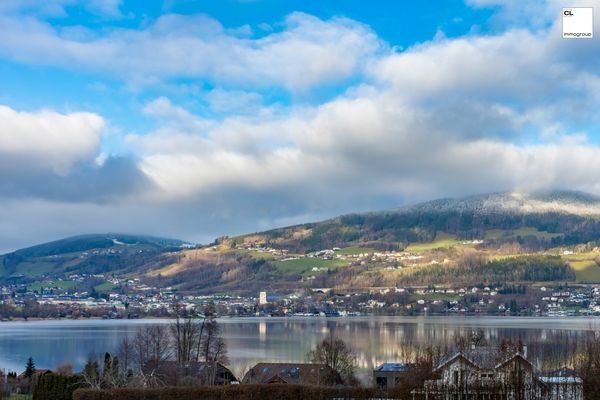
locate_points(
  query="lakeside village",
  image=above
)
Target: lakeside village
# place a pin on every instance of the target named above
(141, 301)
(113, 296)
(118, 297)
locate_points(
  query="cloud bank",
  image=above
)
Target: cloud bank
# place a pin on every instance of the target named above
(515, 109)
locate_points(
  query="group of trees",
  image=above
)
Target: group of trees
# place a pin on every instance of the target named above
(393, 230)
(526, 268)
(191, 337)
(197, 339)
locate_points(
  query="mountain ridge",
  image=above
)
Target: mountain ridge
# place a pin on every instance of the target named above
(87, 254)
(446, 234)
(559, 201)
(125, 238)
(572, 214)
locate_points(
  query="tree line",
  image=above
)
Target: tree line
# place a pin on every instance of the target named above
(191, 337)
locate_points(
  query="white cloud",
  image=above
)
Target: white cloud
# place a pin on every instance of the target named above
(307, 52)
(42, 140)
(234, 101)
(449, 117)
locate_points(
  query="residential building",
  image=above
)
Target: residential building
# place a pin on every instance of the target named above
(293, 373)
(391, 375)
(173, 373)
(487, 373)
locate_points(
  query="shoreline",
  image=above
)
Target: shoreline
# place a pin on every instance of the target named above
(366, 317)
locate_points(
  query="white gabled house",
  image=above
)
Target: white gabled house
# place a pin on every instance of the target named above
(486, 373)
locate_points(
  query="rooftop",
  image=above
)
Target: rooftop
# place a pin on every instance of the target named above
(393, 367)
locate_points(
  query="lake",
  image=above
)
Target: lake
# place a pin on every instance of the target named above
(251, 340)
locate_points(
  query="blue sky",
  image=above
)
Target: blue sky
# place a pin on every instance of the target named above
(399, 24)
(194, 119)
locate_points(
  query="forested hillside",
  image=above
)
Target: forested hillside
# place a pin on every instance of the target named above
(490, 239)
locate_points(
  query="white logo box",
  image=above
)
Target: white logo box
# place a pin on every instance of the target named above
(578, 22)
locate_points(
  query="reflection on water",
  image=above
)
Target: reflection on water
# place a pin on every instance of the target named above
(250, 340)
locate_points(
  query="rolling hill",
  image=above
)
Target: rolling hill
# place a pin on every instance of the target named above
(545, 220)
(487, 239)
(88, 254)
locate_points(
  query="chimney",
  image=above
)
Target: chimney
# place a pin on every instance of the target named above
(472, 346)
(524, 351)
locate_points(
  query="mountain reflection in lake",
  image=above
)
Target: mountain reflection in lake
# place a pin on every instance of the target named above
(250, 340)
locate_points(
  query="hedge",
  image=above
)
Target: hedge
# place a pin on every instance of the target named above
(55, 387)
(237, 392)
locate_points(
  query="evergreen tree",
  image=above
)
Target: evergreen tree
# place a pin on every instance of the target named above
(107, 373)
(29, 368)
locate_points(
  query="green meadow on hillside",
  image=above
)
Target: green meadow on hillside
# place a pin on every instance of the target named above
(442, 241)
(306, 264)
(105, 287)
(55, 284)
(587, 271)
(502, 233)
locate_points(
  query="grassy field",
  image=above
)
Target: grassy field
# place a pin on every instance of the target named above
(38, 286)
(501, 233)
(495, 234)
(105, 287)
(34, 268)
(586, 271)
(442, 241)
(306, 264)
(581, 256)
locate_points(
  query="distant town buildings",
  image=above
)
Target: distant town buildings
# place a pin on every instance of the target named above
(262, 298)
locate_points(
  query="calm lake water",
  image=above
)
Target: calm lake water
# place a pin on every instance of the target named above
(250, 340)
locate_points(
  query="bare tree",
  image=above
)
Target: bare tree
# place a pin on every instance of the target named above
(213, 348)
(137, 358)
(185, 331)
(334, 353)
(151, 343)
(125, 351)
(91, 374)
(65, 369)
